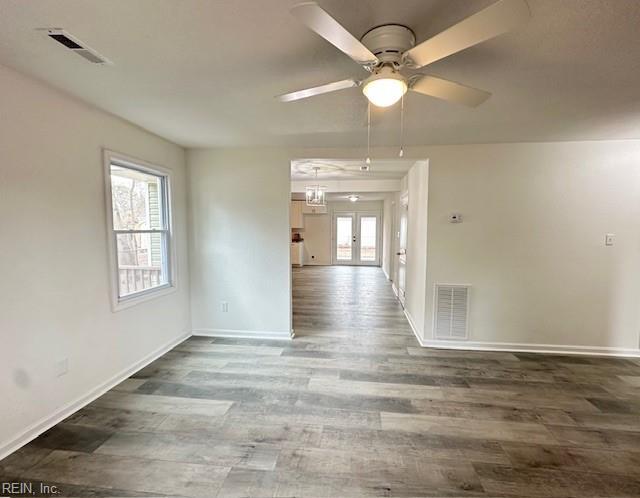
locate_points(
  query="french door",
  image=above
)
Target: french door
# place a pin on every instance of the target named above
(356, 239)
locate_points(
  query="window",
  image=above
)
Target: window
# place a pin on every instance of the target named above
(344, 242)
(140, 229)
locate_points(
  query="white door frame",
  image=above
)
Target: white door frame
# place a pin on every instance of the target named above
(334, 235)
(401, 252)
(393, 244)
(356, 217)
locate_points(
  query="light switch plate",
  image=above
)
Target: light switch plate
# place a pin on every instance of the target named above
(609, 239)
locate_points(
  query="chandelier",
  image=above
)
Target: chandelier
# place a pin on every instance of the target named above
(316, 194)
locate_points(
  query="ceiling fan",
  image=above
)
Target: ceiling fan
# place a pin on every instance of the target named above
(388, 51)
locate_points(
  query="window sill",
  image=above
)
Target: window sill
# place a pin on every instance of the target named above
(120, 304)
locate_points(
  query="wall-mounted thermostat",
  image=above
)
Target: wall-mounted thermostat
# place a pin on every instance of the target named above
(455, 218)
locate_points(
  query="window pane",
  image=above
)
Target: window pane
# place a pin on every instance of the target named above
(136, 199)
(141, 261)
(368, 238)
(344, 240)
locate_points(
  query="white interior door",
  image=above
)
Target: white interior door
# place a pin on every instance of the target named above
(356, 239)
(401, 254)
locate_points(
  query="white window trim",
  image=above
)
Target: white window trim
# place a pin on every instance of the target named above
(119, 303)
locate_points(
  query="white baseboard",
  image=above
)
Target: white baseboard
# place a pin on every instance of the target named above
(413, 326)
(49, 421)
(515, 347)
(385, 273)
(244, 334)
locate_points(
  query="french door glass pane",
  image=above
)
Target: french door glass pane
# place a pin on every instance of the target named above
(368, 238)
(344, 238)
(141, 261)
(136, 199)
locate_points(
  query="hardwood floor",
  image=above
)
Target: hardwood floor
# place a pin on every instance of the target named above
(352, 407)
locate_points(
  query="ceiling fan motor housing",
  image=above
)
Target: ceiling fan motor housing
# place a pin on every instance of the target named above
(389, 42)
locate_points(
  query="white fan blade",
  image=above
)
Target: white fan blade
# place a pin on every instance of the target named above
(499, 18)
(318, 20)
(318, 90)
(450, 91)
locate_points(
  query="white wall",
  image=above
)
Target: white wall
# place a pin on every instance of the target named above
(355, 207)
(417, 182)
(532, 241)
(54, 290)
(345, 186)
(239, 242)
(317, 239)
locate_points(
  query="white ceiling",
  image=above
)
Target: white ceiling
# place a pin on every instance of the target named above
(349, 169)
(204, 73)
(362, 196)
(344, 197)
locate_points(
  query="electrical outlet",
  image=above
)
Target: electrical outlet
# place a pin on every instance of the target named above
(61, 367)
(455, 218)
(224, 306)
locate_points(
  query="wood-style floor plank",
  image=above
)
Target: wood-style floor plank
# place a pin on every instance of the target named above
(126, 473)
(353, 406)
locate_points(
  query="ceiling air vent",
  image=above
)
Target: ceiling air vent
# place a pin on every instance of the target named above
(452, 311)
(75, 45)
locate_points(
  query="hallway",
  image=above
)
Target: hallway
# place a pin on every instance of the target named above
(351, 407)
(362, 306)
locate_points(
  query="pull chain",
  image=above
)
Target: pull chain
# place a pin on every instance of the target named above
(401, 153)
(368, 160)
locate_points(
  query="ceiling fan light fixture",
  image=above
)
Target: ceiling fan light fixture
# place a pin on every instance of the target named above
(385, 88)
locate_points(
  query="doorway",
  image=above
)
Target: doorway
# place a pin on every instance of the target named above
(356, 238)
